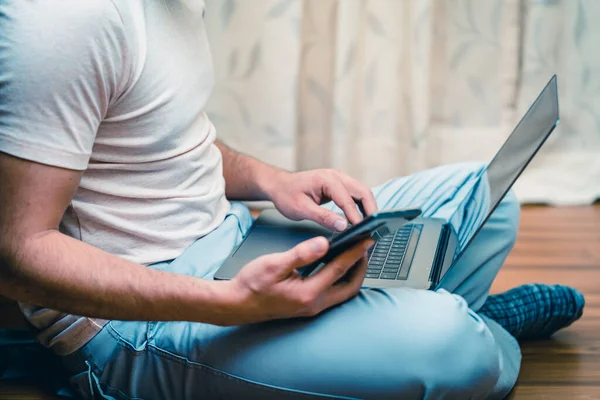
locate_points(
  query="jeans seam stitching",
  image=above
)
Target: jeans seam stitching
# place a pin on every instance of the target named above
(122, 342)
(123, 345)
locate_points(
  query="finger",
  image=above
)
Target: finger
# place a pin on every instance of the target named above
(323, 216)
(337, 192)
(362, 193)
(345, 290)
(302, 254)
(336, 269)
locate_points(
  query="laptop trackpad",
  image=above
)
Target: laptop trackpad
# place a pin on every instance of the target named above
(271, 233)
(272, 239)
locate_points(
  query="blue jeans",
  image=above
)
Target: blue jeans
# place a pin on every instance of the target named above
(384, 343)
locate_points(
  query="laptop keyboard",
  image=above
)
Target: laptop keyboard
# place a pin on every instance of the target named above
(389, 258)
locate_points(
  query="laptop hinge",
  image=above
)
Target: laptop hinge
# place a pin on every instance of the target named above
(438, 261)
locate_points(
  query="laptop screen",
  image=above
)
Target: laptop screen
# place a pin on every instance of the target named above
(512, 158)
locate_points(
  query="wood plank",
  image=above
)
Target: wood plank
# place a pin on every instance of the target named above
(555, 392)
(585, 280)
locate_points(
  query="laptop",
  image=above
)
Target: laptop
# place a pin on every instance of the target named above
(421, 252)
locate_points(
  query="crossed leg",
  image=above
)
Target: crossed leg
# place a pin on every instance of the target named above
(384, 343)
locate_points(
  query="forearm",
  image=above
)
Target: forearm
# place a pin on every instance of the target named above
(52, 270)
(246, 178)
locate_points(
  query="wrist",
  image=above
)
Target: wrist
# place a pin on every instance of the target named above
(224, 304)
(270, 181)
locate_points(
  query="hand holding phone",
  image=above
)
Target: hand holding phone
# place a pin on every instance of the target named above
(375, 226)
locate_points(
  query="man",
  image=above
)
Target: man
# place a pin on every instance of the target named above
(114, 206)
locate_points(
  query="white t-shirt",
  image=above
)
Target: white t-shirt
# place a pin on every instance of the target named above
(115, 88)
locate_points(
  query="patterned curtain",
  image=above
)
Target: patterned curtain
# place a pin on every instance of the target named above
(381, 88)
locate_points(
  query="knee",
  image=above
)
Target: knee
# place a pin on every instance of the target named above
(461, 359)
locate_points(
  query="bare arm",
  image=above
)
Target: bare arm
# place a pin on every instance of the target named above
(247, 178)
(297, 195)
(41, 266)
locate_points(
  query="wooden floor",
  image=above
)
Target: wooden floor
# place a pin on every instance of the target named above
(555, 245)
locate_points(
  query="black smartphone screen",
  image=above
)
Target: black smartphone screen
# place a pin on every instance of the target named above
(368, 227)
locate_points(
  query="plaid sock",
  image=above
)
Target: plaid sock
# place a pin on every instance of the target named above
(535, 311)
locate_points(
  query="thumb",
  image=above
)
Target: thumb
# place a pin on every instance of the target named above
(302, 254)
(325, 217)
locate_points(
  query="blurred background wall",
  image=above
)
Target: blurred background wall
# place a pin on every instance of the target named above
(381, 88)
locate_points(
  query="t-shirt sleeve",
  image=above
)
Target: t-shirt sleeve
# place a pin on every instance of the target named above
(62, 63)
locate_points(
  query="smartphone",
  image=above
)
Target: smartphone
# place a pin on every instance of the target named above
(375, 226)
